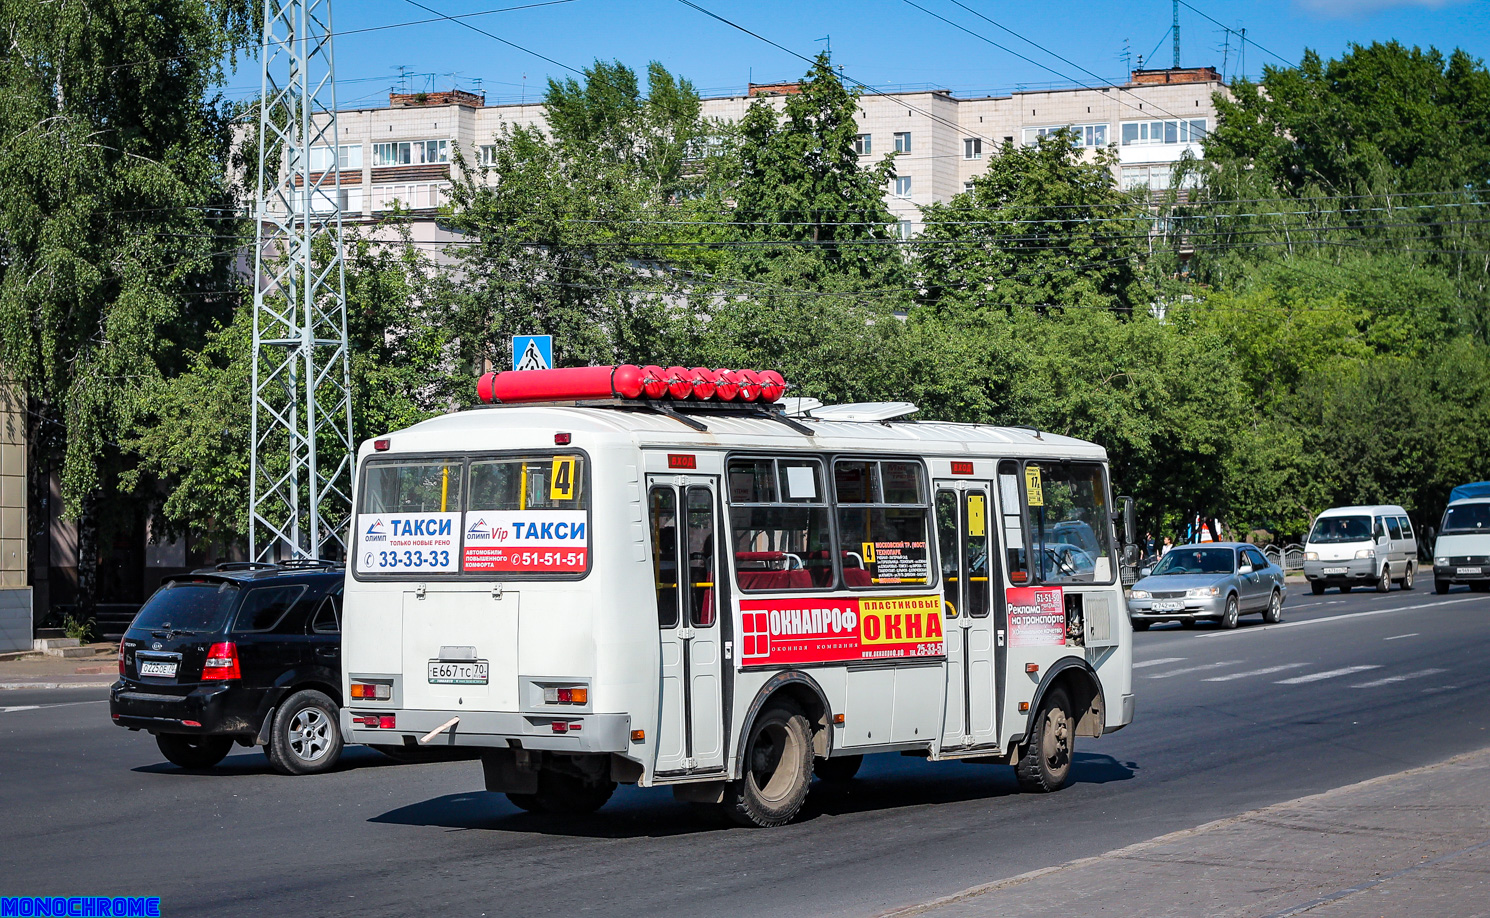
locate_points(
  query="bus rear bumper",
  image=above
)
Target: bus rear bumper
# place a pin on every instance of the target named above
(556, 732)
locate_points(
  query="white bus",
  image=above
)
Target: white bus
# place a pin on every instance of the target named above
(597, 588)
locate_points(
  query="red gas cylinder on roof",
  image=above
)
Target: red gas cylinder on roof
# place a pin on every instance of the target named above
(631, 382)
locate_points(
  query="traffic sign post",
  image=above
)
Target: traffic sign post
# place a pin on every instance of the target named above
(532, 352)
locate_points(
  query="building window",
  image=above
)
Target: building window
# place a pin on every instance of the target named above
(406, 153)
(1086, 135)
(863, 144)
(972, 148)
(348, 156)
(903, 186)
(413, 195)
(902, 141)
(903, 229)
(1156, 178)
(967, 187)
(347, 200)
(1191, 130)
(487, 154)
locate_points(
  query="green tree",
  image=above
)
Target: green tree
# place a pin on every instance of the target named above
(657, 134)
(805, 210)
(112, 194)
(1043, 227)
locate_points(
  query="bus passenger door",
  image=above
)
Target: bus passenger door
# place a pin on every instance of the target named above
(685, 562)
(969, 561)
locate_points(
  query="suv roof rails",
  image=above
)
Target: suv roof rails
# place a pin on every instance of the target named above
(311, 563)
(245, 566)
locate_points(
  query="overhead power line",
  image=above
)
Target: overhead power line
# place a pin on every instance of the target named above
(1241, 35)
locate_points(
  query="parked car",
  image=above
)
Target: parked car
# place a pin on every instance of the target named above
(1461, 552)
(1217, 581)
(243, 652)
(1361, 546)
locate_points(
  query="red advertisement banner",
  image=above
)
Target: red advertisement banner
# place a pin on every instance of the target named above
(812, 629)
(1037, 616)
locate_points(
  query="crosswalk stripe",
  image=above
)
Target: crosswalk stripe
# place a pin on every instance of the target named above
(1195, 669)
(1255, 672)
(1158, 662)
(1402, 678)
(1330, 674)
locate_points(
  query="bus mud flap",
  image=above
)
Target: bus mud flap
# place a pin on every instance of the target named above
(700, 792)
(505, 775)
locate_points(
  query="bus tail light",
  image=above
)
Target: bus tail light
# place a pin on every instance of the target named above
(376, 721)
(560, 726)
(371, 691)
(222, 663)
(553, 694)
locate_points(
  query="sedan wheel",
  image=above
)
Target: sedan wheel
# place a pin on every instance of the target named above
(1274, 613)
(1233, 612)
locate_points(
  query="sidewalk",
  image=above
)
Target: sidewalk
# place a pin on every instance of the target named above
(1413, 843)
(39, 671)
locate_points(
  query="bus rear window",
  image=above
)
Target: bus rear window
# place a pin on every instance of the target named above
(409, 516)
(528, 514)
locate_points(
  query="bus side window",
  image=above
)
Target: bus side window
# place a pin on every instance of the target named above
(1011, 501)
(664, 507)
(701, 590)
(779, 524)
(882, 522)
(946, 540)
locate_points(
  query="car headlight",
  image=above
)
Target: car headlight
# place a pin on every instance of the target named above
(1202, 592)
(1440, 562)
(1139, 594)
(1365, 553)
(1311, 556)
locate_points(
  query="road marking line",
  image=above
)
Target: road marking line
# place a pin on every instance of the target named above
(1439, 688)
(1159, 662)
(1256, 672)
(1402, 678)
(36, 707)
(1195, 669)
(19, 707)
(1336, 618)
(1398, 637)
(1316, 677)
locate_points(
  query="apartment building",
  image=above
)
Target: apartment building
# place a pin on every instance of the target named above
(405, 152)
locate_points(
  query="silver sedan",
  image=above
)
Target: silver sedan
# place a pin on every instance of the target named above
(1215, 581)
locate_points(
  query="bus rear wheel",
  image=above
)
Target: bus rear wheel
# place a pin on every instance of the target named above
(1045, 765)
(778, 768)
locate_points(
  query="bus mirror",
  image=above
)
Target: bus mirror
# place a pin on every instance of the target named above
(1130, 554)
(1130, 531)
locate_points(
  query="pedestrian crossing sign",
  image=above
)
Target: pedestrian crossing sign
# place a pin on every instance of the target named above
(532, 352)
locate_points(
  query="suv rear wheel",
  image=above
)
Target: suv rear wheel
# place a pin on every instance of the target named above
(305, 738)
(193, 751)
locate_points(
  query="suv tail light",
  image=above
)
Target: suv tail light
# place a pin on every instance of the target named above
(222, 663)
(121, 656)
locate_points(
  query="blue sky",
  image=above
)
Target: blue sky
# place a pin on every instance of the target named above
(885, 43)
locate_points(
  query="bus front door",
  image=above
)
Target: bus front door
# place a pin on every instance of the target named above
(685, 566)
(969, 560)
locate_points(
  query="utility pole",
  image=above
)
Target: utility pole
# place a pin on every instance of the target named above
(1176, 29)
(301, 436)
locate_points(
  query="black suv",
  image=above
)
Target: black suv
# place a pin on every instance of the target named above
(244, 651)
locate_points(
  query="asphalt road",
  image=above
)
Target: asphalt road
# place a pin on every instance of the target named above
(1348, 687)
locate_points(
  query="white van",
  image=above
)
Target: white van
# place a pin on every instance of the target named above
(1461, 554)
(1361, 546)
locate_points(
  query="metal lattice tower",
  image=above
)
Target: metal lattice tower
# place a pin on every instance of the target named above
(1176, 28)
(300, 467)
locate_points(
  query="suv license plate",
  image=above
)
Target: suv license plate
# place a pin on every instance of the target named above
(469, 672)
(157, 668)
(1334, 570)
(1171, 605)
(1467, 570)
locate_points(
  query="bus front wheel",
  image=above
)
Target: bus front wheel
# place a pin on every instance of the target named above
(778, 768)
(1045, 765)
